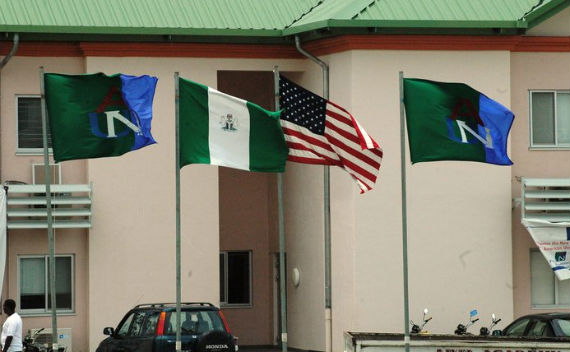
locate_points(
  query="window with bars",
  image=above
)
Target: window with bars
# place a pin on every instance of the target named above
(550, 119)
(30, 135)
(34, 285)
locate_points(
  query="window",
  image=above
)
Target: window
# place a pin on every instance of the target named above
(194, 322)
(30, 135)
(550, 125)
(546, 290)
(34, 284)
(235, 278)
(517, 328)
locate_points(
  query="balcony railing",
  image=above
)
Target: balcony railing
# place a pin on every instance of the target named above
(27, 206)
(545, 199)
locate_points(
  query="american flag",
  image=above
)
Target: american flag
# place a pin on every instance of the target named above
(318, 131)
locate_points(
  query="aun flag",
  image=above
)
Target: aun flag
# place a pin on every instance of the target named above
(320, 132)
(219, 129)
(553, 240)
(452, 121)
(95, 115)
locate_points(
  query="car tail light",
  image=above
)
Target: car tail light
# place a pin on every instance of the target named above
(225, 321)
(160, 326)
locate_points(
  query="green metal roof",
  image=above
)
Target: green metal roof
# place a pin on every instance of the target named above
(277, 19)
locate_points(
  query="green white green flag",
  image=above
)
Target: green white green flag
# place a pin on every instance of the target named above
(219, 129)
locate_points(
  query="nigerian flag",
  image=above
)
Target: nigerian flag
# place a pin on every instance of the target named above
(219, 129)
(452, 121)
(95, 115)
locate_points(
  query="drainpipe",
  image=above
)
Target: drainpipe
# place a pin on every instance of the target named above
(327, 209)
(12, 51)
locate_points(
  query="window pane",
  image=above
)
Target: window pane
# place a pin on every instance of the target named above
(538, 329)
(542, 118)
(30, 133)
(32, 283)
(123, 330)
(63, 281)
(518, 328)
(563, 117)
(137, 324)
(238, 278)
(150, 323)
(563, 326)
(564, 292)
(222, 277)
(541, 280)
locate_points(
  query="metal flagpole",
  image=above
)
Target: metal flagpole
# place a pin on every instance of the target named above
(282, 281)
(177, 163)
(404, 215)
(51, 238)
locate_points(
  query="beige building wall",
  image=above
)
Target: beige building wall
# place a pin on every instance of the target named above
(557, 25)
(460, 246)
(532, 71)
(459, 243)
(132, 242)
(21, 77)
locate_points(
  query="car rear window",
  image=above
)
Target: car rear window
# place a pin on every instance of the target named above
(193, 322)
(564, 326)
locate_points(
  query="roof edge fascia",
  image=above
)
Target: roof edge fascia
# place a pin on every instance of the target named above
(543, 13)
(142, 31)
(333, 23)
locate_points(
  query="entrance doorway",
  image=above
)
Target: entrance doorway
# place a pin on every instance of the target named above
(248, 230)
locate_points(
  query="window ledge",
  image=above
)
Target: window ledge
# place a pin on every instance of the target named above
(552, 148)
(48, 314)
(32, 152)
(550, 306)
(236, 306)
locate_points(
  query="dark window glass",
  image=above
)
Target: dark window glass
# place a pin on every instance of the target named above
(149, 327)
(194, 322)
(238, 278)
(518, 328)
(30, 133)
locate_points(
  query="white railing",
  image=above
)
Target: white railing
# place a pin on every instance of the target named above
(27, 206)
(545, 199)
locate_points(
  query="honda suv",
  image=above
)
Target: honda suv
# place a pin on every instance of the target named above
(152, 328)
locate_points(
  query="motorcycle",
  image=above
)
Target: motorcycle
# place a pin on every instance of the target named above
(419, 329)
(30, 344)
(484, 331)
(462, 329)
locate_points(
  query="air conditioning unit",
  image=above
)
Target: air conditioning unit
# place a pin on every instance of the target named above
(39, 175)
(44, 337)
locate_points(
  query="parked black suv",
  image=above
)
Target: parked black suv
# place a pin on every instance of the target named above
(152, 328)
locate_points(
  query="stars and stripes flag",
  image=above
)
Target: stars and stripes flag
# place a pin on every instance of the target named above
(318, 131)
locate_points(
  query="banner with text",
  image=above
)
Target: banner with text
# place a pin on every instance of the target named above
(553, 240)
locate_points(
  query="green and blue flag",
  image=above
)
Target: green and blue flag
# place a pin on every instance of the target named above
(95, 115)
(452, 121)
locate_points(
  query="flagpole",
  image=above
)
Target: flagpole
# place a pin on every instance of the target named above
(177, 163)
(51, 238)
(282, 281)
(404, 214)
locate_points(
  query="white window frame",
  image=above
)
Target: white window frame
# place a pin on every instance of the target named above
(555, 146)
(47, 311)
(20, 150)
(224, 302)
(556, 304)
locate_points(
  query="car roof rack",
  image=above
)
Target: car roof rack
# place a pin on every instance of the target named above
(156, 305)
